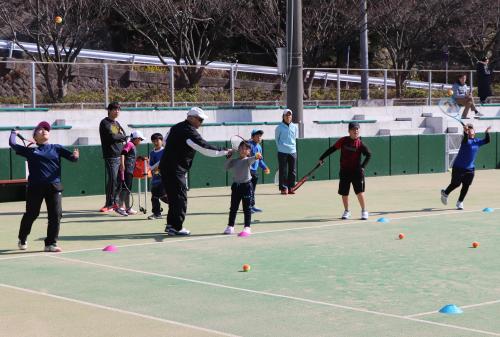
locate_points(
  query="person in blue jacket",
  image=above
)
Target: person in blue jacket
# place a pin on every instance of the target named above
(256, 139)
(44, 182)
(463, 168)
(286, 138)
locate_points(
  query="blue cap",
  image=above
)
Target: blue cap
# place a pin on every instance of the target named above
(256, 131)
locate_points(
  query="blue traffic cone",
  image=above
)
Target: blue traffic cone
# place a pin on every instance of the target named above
(451, 309)
(488, 210)
(384, 220)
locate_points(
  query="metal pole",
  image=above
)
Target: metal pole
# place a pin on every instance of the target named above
(338, 87)
(106, 85)
(348, 59)
(385, 87)
(365, 93)
(295, 82)
(471, 82)
(172, 86)
(33, 85)
(430, 88)
(231, 83)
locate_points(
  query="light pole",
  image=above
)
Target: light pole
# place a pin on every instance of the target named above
(295, 83)
(365, 94)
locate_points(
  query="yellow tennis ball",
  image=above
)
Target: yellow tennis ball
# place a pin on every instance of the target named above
(58, 19)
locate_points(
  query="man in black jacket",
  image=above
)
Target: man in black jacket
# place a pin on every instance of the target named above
(112, 139)
(181, 145)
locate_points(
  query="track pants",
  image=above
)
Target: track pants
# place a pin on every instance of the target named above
(176, 188)
(240, 192)
(287, 170)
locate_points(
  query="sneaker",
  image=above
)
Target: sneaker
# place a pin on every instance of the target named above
(460, 205)
(346, 215)
(22, 245)
(444, 198)
(229, 230)
(284, 191)
(256, 209)
(246, 230)
(131, 211)
(121, 211)
(478, 114)
(252, 211)
(105, 209)
(154, 216)
(364, 215)
(53, 249)
(173, 232)
(291, 192)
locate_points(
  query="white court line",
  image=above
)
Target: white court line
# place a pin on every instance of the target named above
(269, 294)
(188, 239)
(126, 312)
(462, 307)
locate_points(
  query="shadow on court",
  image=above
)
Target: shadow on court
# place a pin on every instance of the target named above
(158, 237)
(422, 210)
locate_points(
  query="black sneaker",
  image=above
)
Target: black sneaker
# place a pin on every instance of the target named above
(154, 216)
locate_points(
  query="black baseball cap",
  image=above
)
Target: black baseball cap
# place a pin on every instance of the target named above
(353, 125)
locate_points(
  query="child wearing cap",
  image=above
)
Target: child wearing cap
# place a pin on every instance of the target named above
(241, 189)
(157, 190)
(256, 148)
(352, 171)
(464, 166)
(126, 175)
(44, 182)
(285, 136)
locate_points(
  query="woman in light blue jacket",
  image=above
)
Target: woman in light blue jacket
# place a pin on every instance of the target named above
(462, 95)
(286, 137)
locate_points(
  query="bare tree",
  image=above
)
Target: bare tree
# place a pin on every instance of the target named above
(409, 28)
(186, 30)
(58, 43)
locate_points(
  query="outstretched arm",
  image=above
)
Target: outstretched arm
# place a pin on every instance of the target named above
(199, 144)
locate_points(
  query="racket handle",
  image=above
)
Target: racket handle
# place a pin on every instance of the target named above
(21, 137)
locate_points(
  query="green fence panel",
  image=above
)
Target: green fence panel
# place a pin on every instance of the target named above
(4, 164)
(380, 162)
(17, 166)
(498, 148)
(404, 155)
(87, 176)
(487, 155)
(431, 153)
(334, 161)
(208, 171)
(308, 152)
(270, 154)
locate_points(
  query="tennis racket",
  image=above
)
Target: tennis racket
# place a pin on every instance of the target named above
(450, 109)
(236, 141)
(123, 189)
(25, 140)
(306, 177)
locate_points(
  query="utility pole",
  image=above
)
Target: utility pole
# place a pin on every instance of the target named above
(295, 83)
(365, 93)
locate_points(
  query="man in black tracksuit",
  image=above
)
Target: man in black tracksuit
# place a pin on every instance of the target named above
(181, 145)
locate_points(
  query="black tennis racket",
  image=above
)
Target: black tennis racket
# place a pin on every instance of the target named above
(24, 140)
(122, 189)
(306, 177)
(236, 141)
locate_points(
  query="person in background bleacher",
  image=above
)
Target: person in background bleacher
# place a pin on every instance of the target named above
(462, 95)
(484, 76)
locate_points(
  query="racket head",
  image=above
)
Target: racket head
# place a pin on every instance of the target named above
(236, 141)
(450, 108)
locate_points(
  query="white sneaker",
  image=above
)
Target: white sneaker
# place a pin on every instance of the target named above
(364, 215)
(131, 211)
(444, 198)
(460, 205)
(229, 230)
(247, 230)
(346, 215)
(121, 211)
(53, 249)
(22, 245)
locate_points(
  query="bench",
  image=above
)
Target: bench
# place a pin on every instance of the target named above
(347, 121)
(484, 118)
(168, 125)
(13, 190)
(491, 104)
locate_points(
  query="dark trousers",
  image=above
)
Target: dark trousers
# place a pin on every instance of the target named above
(112, 166)
(460, 177)
(287, 170)
(158, 193)
(255, 179)
(240, 193)
(176, 188)
(34, 197)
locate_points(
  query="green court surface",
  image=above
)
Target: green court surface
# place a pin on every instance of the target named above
(312, 274)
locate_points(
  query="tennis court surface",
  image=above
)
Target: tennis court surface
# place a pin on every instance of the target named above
(312, 274)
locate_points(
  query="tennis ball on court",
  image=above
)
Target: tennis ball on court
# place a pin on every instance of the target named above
(401, 236)
(246, 267)
(475, 244)
(450, 92)
(58, 19)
